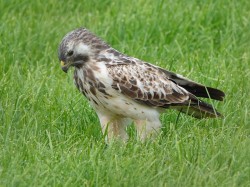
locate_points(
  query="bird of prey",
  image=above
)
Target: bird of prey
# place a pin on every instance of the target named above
(124, 89)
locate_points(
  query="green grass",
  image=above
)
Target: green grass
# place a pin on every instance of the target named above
(50, 136)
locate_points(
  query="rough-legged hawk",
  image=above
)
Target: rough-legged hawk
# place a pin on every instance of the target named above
(123, 89)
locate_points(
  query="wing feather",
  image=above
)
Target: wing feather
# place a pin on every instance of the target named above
(146, 85)
(156, 87)
(196, 89)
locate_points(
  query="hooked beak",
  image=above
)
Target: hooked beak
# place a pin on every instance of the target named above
(64, 66)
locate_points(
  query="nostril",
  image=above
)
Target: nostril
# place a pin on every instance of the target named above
(70, 53)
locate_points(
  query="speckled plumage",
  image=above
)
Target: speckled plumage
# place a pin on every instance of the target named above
(123, 89)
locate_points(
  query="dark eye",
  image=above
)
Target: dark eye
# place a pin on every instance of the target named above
(70, 53)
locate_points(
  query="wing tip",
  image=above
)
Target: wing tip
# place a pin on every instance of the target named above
(214, 93)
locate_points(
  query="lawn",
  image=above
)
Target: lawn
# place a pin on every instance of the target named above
(50, 136)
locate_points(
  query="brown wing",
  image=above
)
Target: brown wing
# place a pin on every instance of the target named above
(147, 85)
(151, 86)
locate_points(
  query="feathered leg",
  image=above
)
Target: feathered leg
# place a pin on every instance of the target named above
(147, 128)
(114, 127)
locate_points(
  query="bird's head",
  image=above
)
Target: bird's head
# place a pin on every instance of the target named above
(78, 47)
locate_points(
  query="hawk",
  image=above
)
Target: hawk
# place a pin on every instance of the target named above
(124, 89)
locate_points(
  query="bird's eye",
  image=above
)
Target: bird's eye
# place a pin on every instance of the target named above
(70, 53)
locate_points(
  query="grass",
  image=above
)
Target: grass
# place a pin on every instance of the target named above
(50, 136)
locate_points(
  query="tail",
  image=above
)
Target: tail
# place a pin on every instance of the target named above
(199, 109)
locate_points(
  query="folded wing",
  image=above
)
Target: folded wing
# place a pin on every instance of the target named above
(156, 87)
